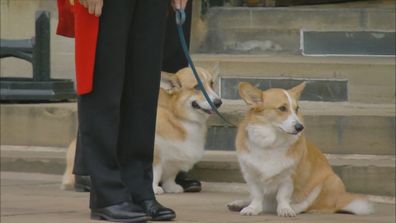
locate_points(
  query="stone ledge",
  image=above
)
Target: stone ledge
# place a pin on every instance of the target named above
(361, 173)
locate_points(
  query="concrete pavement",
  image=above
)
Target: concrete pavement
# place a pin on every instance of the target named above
(36, 198)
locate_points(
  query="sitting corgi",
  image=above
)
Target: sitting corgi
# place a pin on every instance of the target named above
(283, 170)
(181, 126)
(180, 131)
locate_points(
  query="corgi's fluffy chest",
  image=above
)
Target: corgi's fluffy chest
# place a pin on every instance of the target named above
(183, 154)
(266, 157)
(266, 139)
(271, 174)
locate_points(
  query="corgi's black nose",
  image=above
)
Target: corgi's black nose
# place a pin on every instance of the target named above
(299, 127)
(217, 102)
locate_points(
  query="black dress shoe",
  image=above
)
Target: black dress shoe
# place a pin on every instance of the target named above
(123, 212)
(156, 211)
(189, 185)
(82, 183)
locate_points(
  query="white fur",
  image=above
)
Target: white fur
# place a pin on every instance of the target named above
(178, 156)
(359, 207)
(289, 124)
(267, 137)
(305, 204)
(267, 170)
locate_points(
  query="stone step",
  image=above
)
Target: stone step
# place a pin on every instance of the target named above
(33, 159)
(53, 124)
(237, 30)
(326, 90)
(338, 128)
(346, 43)
(361, 173)
(341, 127)
(359, 79)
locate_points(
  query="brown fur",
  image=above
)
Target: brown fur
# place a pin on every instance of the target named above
(312, 168)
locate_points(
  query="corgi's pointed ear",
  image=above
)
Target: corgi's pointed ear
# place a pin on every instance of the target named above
(252, 95)
(297, 90)
(169, 82)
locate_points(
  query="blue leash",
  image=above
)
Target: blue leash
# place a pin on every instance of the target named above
(180, 18)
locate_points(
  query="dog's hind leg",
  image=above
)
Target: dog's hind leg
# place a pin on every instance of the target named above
(269, 205)
(305, 204)
(238, 205)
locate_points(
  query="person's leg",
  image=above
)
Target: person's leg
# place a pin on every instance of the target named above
(174, 59)
(82, 180)
(99, 110)
(80, 167)
(139, 105)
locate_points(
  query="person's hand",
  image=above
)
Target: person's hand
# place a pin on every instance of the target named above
(71, 2)
(179, 4)
(94, 6)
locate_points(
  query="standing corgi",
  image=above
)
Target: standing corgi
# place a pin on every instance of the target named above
(284, 171)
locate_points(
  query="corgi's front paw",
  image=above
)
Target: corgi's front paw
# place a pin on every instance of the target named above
(158, 190)
(250, 210)
(172, 187)
(286, 212)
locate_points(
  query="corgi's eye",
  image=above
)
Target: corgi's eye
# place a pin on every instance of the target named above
(196, 87)
(297, 109)
(211, 84)
(282, 108)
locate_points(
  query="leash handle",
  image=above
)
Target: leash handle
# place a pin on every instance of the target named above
(180, 18)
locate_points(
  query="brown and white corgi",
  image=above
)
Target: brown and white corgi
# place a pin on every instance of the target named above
(180, 131)
(283, 170)
(181, 126)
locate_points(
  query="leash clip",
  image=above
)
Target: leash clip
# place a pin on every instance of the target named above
(180, 16)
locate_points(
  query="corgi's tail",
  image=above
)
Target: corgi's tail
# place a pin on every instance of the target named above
(68, 179)
(354, 204)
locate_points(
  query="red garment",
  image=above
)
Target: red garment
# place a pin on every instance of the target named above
(85, 29)
(65, 19)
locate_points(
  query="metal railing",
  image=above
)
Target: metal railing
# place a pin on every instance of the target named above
(41, 87)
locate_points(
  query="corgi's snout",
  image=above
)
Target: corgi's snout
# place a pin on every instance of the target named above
(299, 127)
(217, 102)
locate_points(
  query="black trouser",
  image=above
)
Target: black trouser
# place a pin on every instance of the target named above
(174, 58)
(117, 120)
